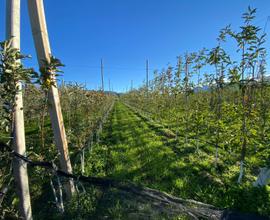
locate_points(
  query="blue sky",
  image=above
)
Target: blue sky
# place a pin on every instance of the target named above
(127, 32)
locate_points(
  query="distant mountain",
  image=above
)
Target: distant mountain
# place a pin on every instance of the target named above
(201, 88)
(112, 93)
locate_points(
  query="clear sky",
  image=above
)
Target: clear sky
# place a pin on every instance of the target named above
(127, 32)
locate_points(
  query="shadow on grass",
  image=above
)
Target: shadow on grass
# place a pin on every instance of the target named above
(142, 153)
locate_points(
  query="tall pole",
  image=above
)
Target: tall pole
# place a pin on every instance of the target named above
(102, 75)
(42, 45)
(109, 85)
(19, 166)
(147, 76)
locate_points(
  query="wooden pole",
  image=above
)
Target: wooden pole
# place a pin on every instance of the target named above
(42, 45)
(147, 75)
(19, 166)
(102, 75)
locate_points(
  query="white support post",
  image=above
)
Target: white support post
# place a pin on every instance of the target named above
(102, 75)
(42, 45)
(19, 166)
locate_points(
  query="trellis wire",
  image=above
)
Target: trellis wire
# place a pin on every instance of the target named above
(121, 185)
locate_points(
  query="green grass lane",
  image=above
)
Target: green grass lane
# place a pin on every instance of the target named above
(132, 149)
(137, 152)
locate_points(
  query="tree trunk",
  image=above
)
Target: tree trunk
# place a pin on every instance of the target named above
(19, 166)
(42, 45)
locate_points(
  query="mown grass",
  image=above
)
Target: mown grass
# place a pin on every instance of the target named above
(133, 149)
